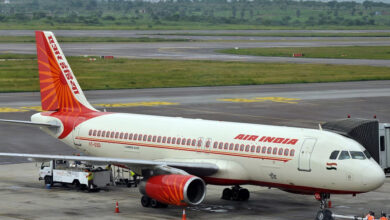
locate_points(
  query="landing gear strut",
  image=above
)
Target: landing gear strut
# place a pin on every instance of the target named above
(324, 213)
(236, 193)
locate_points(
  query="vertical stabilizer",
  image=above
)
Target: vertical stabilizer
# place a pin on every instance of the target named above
(60, 90)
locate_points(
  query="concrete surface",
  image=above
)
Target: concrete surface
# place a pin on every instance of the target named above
(24, 197)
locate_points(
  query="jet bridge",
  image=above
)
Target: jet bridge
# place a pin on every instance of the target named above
(374, 136)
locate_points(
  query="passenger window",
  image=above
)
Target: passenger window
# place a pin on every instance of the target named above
(178, 141)
(334, 154)
(183, 141)
(154, 138)
(94, 132)
(280, 151)
(135, 137)
(236, 147)
(107, 134)
(90, 132)
(269, 151)
(121, 135)
(344, 155)
(193, 143)
(253, 148)
(231, 146)
(292, 152)
(247, 148)
(242, 147)
(99, 132)
(173, 140)
(159, 139)
(220, 145)
(103, 133)
(188, 141)
(116, 135)
(169, 140)
(150, 138)
(208, 144)
(226, 146)
(126, 135)
(357, 155)
(275, 151)
(140, 137)
(164, 140)
(131, 136)
(258, 149)
(286, 152)
(112, 134)
(215, 144)
(145, 137)
(264, 150)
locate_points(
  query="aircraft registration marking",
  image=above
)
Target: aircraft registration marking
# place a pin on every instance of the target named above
(210, 151)
(263, 99)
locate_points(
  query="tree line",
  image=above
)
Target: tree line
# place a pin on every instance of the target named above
(217, 12)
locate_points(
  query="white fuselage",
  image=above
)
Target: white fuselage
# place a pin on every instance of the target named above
(304, 170)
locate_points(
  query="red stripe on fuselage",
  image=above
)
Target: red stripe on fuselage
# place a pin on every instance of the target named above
(286, 187)
(184, 149)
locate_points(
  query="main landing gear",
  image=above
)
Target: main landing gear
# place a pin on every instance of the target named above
(149, 202)
(324, 213)
(236, 193)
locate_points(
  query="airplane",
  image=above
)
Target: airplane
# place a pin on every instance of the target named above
(177, 157)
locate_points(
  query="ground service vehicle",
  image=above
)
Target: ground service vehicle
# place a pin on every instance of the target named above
(177, 157)
(59, 171)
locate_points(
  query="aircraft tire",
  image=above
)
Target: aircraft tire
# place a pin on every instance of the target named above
(227, 194)
(324, 215)
(145, 201)
(243, 194)
(154, 203)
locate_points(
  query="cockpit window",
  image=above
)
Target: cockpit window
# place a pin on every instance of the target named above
(344, 155)
(368, 155)
(334, 154)
(357, 155)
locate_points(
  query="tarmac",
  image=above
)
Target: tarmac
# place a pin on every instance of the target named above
(24, 197)
(300, 105)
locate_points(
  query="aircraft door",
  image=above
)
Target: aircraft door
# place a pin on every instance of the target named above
(76, 132)
(305, 154)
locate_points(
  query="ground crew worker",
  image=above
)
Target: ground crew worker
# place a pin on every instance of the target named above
(134, 175)
(383, 217)
(370, 215)
(90, 179)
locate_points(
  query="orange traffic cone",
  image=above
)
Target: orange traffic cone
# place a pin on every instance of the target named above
(184, 217)
(117, 207)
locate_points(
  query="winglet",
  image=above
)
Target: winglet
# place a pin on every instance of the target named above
(60, 90)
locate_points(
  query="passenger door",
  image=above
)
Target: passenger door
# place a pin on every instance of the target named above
(305, 154)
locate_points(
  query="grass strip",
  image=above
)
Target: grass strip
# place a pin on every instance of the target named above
(350, 52)
(281, 34)
(22, 75)
(31, 39)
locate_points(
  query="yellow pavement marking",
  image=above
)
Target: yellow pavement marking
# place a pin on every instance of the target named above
(135, 104)
(263, 99)
(5, 109)
(34, 108)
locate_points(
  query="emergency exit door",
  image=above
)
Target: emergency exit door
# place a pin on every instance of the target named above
(76, 132)
(305, 154)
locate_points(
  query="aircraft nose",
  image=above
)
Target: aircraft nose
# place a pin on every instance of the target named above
(373, 177)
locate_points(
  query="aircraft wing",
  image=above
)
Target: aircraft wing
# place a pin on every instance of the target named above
(195, 168)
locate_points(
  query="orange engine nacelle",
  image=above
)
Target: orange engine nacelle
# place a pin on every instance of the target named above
(174, 189)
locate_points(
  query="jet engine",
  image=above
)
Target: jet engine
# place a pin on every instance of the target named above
(174, 189)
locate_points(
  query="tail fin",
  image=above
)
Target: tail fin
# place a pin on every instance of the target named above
(60, 90)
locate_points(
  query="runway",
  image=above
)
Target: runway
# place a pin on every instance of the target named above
(204, 47)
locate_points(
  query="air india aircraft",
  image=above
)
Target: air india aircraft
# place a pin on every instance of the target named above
(177, 157)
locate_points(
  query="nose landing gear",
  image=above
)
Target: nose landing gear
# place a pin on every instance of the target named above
(324, 213)
(236, 193)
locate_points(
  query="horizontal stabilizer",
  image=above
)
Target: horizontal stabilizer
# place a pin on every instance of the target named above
(30, 123)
